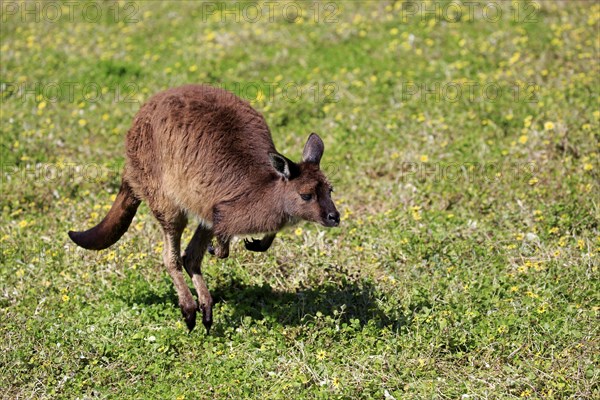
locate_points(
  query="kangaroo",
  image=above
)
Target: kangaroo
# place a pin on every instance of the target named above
(201, 151)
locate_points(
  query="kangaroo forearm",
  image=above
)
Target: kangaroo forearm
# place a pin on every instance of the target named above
(222, 249)
(262, 244)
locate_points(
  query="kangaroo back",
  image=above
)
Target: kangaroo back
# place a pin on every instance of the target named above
(113, 226)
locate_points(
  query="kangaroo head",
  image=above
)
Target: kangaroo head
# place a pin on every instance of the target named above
(306, 192)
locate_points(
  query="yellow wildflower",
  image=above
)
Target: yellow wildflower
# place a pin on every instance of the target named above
(523, 139)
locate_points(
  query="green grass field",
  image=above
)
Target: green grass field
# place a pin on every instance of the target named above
(463, 144)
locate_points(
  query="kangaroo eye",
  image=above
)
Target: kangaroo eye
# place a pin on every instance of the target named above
(306, 197)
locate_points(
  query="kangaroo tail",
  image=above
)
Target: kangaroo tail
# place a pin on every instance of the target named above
(113, 226)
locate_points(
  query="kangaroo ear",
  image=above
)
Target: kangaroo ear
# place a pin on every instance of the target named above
(313, 149)
(281, 165)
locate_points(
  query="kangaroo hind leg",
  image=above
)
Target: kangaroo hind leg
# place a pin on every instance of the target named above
(172, 224)
(192, 260)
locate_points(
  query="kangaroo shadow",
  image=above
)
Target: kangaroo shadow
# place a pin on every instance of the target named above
(345, 301)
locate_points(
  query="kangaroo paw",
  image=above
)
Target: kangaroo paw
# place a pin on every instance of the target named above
(211, 249)
(189, 315)
(206, 317)
(219, 251)
(254, 245)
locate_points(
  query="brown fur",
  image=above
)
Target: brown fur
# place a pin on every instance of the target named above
(202, 151)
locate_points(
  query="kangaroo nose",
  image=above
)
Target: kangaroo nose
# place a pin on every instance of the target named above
(334, 218)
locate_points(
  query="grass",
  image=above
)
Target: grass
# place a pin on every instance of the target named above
(465, 159)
